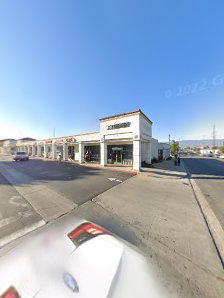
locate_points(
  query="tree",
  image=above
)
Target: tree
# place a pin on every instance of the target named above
(174, 147)
(222, 149)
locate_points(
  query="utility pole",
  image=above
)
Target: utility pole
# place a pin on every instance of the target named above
(213, 137)
(54, 132)
(169, 139)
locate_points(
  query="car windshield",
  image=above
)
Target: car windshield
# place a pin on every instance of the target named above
(21, 153)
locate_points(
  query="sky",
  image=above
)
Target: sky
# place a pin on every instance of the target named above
(65, 64)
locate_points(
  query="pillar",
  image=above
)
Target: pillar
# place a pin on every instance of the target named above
(103, 153)
(65, 151)
(45, 150)
(38, 150)
(33, 150)
(136, 155)
(53, 151)
(81, 152)
(148, 153)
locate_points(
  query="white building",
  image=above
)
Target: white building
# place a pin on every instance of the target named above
(163, 151)
(124, 139)
(155, 148)
(7, 146)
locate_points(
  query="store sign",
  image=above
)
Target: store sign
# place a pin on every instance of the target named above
(117, 149)
(119, 125)
(59, 141)
(71, 140)
(48, 142)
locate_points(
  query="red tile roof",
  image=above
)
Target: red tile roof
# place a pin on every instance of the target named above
(126, 114)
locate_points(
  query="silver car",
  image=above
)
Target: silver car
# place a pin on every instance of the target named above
(20, 155)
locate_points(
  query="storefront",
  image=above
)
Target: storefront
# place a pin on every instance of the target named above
(120, 154)
(48, 149)
(72, 148)
(123, 140)
(92, 153)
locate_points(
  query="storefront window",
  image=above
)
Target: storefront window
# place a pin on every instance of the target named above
(71, 152)
(92, 153)
(120, 154)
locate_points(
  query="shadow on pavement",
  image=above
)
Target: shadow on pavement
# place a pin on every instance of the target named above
(166, 169)
(41, 170)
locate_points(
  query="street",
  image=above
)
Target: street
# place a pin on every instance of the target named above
(209, 176)
(35, 192)
(154, 210)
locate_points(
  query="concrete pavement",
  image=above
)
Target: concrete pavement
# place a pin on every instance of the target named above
(17, 216)
(159, 207)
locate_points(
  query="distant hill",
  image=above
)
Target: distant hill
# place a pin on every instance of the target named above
(198, 143)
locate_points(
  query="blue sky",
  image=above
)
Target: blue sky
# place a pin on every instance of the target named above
(64, 64)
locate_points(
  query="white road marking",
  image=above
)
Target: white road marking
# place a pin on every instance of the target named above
(7, 221)
(15, 201)
(25, 213)
(115, 179)
(112, 179)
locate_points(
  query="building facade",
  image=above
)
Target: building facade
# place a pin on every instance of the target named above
(8, 146)
(124, 139)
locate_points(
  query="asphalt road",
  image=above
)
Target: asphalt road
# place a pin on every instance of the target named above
(75, 182)
(64, 182)
(209, 176)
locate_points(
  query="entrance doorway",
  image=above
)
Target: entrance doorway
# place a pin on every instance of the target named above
(71, 152)
(120, 154)
(59, 150)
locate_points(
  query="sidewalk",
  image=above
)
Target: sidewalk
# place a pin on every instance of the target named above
(159, 207)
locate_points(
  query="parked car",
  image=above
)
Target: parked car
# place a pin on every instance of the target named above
(20, 155)
(221, 156)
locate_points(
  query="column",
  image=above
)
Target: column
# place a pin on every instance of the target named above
(38, 150)
(81, 152)
(148, 153)
(45, 150)
(33, 150)
(53, 151)
(103, 153)
(136, 155)
(65, 151)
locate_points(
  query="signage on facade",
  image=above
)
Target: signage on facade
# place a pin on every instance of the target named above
(71, 140)
(117, 149)
(59, 141)
(48, 142)
(119, 125)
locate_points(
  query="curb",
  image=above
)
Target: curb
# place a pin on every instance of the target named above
(16, 235)
(215, 229)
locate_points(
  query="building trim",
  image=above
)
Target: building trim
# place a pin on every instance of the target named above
(136, 112)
